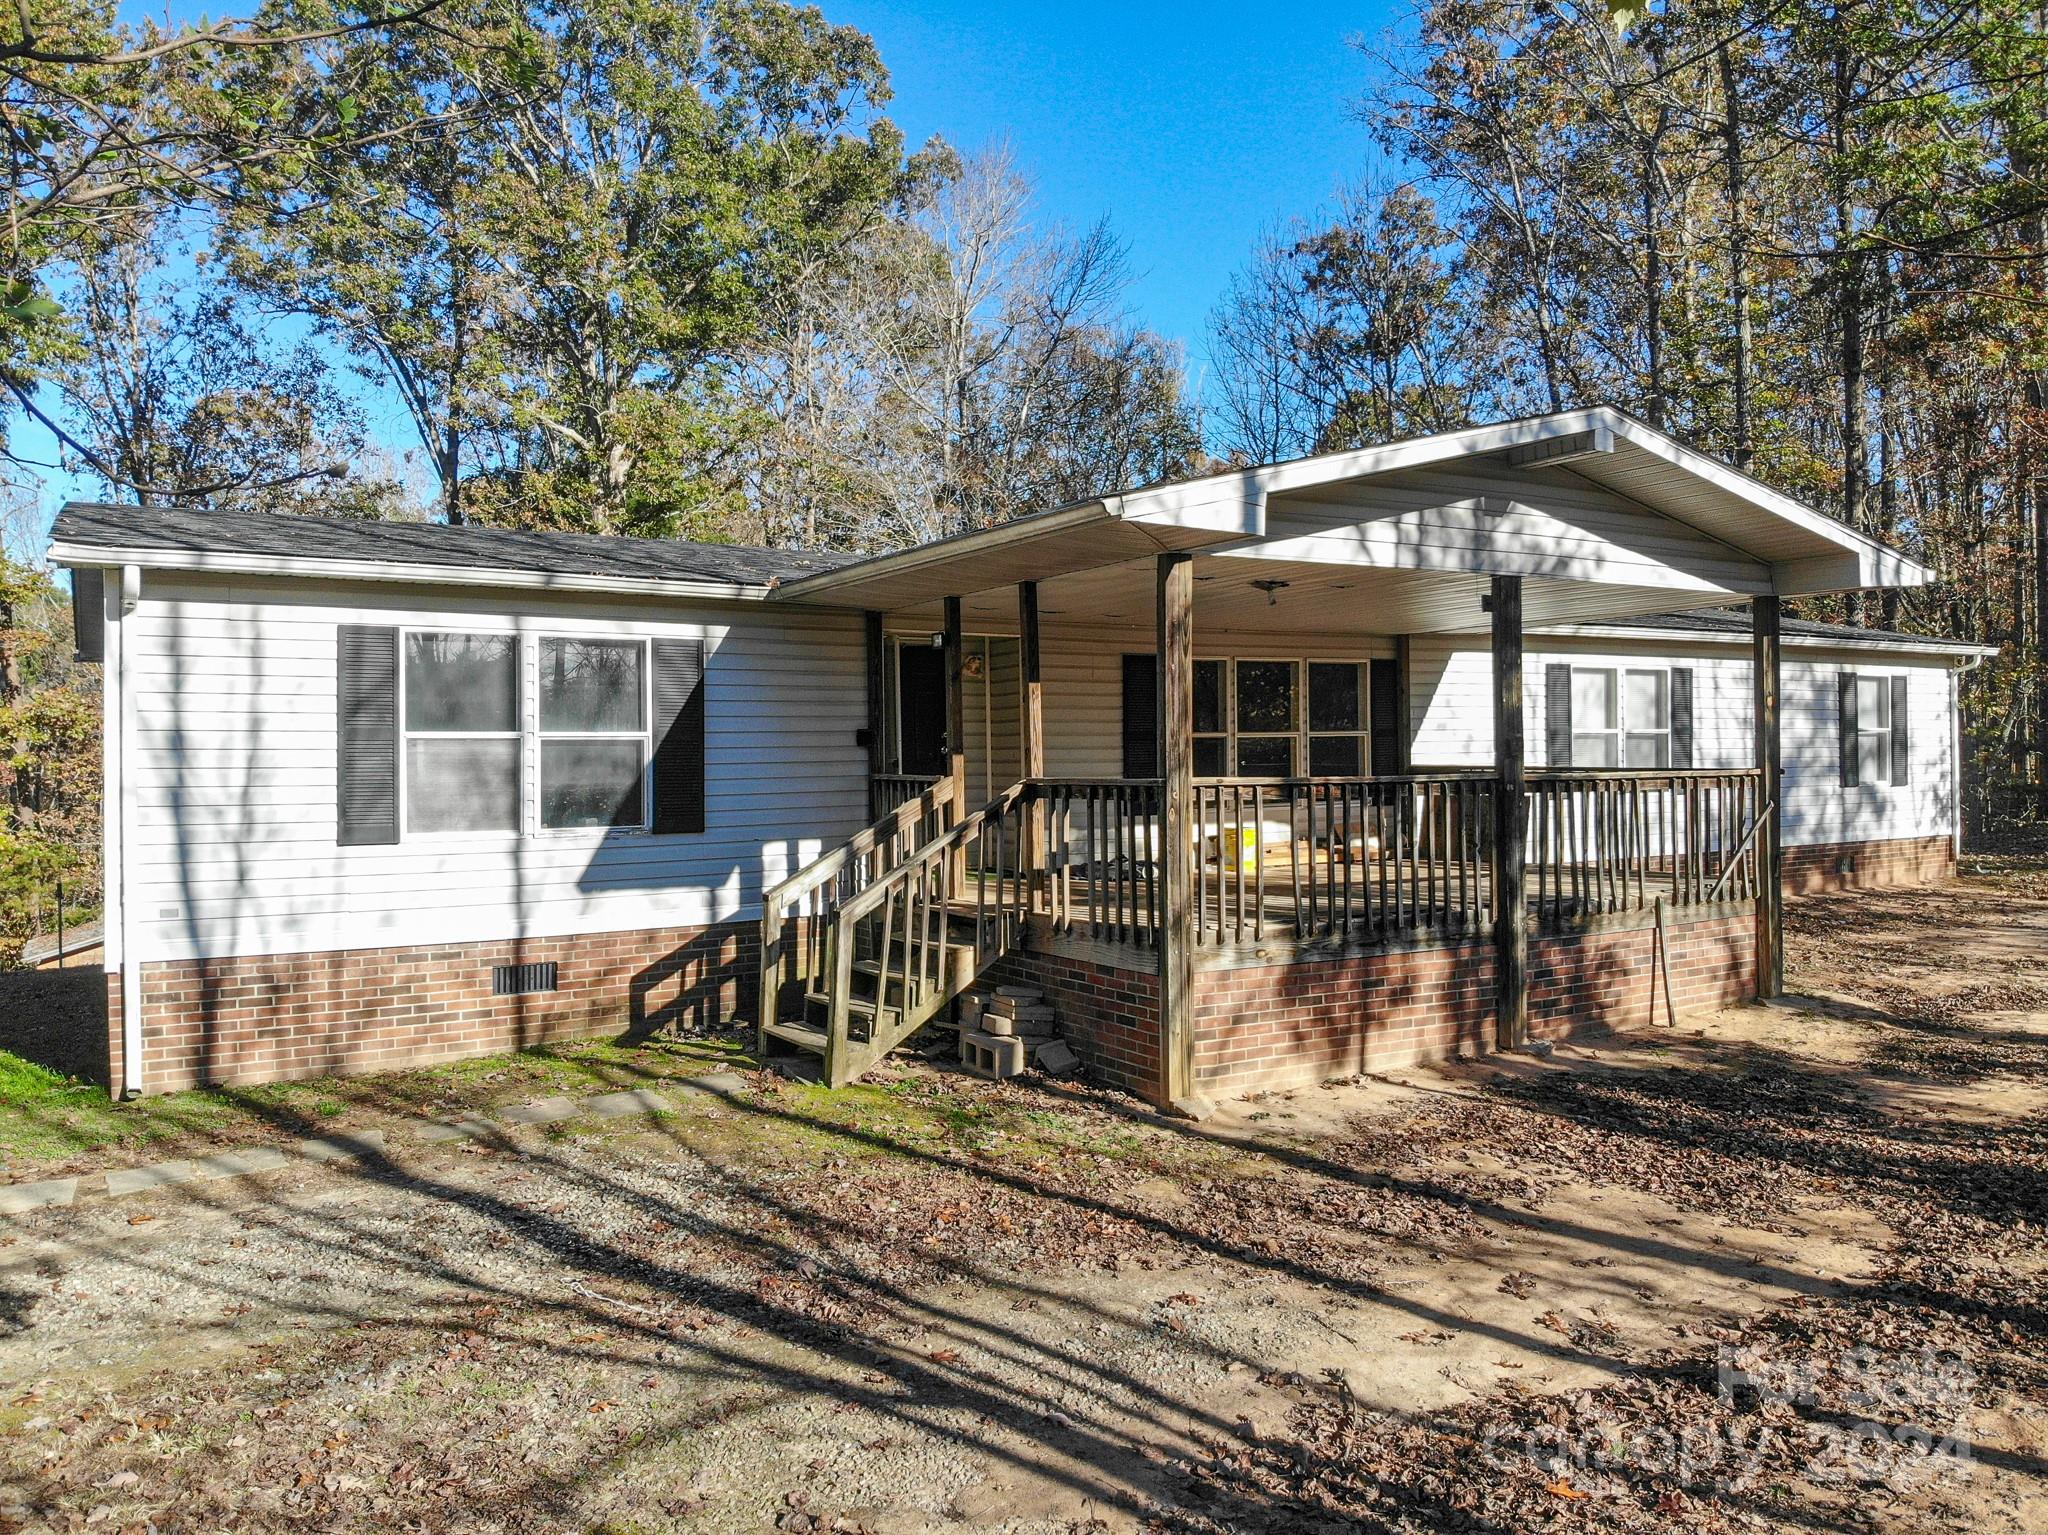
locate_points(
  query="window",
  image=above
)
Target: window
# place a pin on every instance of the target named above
(1873, 729)
(593, 733)
(461, 732)
(1211, 728)
(1267, 718)
(1336, 719)
(1621, 718)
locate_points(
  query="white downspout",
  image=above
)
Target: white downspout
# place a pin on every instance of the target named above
(123, 715)
(1955, 715)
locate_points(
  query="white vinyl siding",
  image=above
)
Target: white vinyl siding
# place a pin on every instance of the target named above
(1451, 713)
(232, 775)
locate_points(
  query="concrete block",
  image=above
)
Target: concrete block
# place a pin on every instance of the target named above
(1195, 1108)
(720, 1084)
(996, 1024)
(461, 1128)
(642, 1100)
(138, 1180)
(239, 1164)
(343, 1148)
(545, 1111)
(1056, 1058)
(990, 1055)
(1021, 993)
(18, 1198)
(971, 1005)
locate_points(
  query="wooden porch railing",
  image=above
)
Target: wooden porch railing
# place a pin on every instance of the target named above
(881, 933)
(793, 912)
(1601, 841)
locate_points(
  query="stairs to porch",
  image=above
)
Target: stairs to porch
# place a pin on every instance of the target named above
(868, 944)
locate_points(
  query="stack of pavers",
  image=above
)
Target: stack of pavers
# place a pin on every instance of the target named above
(1003, 1031)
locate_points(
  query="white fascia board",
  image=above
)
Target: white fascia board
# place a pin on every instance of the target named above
(212, 563)
(1851, 570)
(1956, 648)
(1872, 555)
(1875, 564)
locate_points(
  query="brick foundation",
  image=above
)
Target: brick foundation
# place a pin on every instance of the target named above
(1109, 1015)
(1288, 1025)
(275, 1017)
(1869, 865)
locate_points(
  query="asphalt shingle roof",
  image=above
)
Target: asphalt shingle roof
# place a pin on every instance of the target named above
(188, 530)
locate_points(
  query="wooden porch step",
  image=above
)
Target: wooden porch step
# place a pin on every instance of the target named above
(865, 1007)
(800, 1035)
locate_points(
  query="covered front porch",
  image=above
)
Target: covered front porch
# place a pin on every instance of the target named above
(1241, 758)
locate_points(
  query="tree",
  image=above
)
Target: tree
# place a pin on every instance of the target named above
(103, 121)
(174, 394)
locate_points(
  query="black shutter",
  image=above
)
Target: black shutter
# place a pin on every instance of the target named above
(1557, 714)
(1846, 691)
(1141, 717)
(1389, 730)
(366, 765)
(1681, 716)
(1899, 737)
(678, 735)
(89, 614)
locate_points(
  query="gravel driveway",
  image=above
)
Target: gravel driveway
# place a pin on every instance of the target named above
(933, 1304)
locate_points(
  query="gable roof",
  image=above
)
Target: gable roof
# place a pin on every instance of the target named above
(88, 533)
(1805, 550)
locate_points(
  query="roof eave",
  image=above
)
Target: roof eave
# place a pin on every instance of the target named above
(401, 572)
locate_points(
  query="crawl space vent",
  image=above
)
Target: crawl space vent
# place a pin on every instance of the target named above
(522, 980)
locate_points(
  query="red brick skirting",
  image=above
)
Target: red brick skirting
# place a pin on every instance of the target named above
(275, 1017)
(1287, 1025)
(1869, 865)
(1109, 1015)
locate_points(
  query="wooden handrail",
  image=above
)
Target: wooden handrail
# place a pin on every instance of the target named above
(866, 840)
(876, 891)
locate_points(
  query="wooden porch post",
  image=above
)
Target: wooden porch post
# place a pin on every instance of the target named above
(1510, 912)
(878, 757)
(1176, 702)
(1770, 901)
(1031, 706)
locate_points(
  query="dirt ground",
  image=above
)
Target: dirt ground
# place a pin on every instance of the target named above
(1780, 1268)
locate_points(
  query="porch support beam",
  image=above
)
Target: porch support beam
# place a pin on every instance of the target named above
(1031, 706)
(1510, 904)
(1176, 702)
(1765, 643)
(871, 628)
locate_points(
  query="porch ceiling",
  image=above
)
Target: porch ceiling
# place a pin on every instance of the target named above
(1316, 599)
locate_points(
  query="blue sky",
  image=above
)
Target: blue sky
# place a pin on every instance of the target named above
(1193, 128)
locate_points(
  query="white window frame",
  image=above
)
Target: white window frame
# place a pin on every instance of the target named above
(516, 735)
(644, 735)
(1362, 669)
(1882, 681)
(1622, 729)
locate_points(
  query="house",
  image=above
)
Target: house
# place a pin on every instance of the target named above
(1265, 776)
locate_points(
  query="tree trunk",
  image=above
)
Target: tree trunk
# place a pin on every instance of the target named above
(1738, 257)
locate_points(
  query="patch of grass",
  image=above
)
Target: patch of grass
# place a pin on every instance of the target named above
(50, 1122)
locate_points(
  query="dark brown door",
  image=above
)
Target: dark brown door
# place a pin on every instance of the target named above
(921, 709)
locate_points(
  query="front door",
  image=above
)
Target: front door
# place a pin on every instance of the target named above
(921, 710)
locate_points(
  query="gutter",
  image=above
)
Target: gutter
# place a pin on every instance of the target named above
(98, 555)
(1957, 648)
